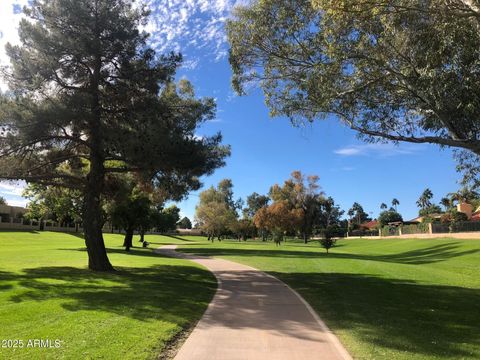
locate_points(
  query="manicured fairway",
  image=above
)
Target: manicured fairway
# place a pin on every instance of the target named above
(385, 299)
(47, 293)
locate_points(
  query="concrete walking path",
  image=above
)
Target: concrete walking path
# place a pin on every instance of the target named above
(255, 316)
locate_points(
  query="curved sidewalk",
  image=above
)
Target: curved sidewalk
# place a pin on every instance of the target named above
(255, 316)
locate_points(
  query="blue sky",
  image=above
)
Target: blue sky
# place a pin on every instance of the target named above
(264, 150)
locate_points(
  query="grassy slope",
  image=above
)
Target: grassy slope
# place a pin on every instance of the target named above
(46, 292)
(396, 299)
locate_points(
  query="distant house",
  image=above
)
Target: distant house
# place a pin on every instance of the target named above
(370, 225)
(420, 219)
(7, 211)
(476, 215)
(465, 208)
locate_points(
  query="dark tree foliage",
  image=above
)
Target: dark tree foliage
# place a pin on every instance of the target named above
(329, 214)
(89, 98)
(185, 223)
(130, 213)
(389, 216)
(357, 214)
(167, 218)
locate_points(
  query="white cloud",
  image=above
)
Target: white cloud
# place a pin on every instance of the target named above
(9, 29)
(190, 25)
(21, 202)
(12, 188)
(194, 27)
(12, 192)
(190, 64)
(377, 150)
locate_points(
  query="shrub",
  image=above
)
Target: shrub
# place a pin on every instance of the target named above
(388, 216)
(454, 216)
(390, 230)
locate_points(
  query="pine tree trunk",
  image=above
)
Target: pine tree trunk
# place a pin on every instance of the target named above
(128, 241)
(92, 226)
(92, 221)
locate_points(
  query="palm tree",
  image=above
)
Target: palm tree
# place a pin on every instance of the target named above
(423, 201)
(395, 203)
(383, 206)
(446, 203)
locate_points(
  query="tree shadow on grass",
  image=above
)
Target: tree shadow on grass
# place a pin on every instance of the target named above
(20, 231)
(173, 242)
(4, 278)
(400, 315)
(431, 254)
(156, 292)
(134, 251)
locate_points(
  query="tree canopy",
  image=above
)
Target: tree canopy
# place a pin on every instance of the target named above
(167, 219)
(254, 203)
(185, 223)
(389, 216)
(48, 202)
(216, 212)
(357, 214)
(88, 97)
(397, 70)
(301, 193)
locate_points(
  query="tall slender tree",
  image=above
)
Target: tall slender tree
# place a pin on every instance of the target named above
(395, 203)
(424, 201)
(86, 92)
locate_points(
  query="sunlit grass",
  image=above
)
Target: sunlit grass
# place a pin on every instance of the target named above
(46, 292)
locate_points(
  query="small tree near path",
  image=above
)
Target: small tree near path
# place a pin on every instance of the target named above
(327, 241)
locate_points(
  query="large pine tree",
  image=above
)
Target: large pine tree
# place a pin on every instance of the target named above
(89, 98)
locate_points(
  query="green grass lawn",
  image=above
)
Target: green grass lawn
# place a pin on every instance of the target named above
(46, 292)
(399, 299)
(385, 299)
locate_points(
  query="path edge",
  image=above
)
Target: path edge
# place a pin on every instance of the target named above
(176, 345)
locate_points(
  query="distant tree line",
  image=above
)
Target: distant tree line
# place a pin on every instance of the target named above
(296, 208)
